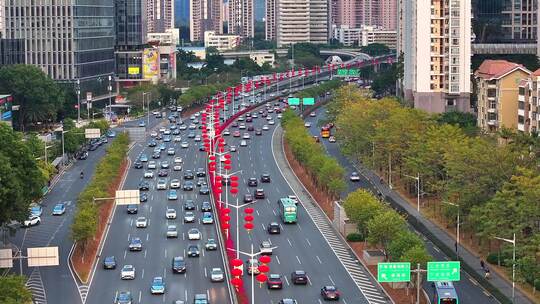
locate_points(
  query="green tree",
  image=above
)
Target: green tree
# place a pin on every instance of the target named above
(38, 96)
(14, 290)
(404, 241)
(361, 206)
(466, 121)
(376, 49)
(84, 224)
(21, 179)
(416, 255)
(384, 227)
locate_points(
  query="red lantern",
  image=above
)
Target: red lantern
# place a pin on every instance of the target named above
(249, 226)
(236, 262)
(264, 268)
(226, 211)
(227, 167)
(227, 156)
(248, 210)
(221, 144)
(218, 191)
(212, 157)
(236, 272)
(227, 161)
(221, 149)
(234, 184)
(265, 259)
(261, 278)
(234, 190)
(234, 178)
(226, 225)
(237, 282)
(248, 218)
(226, 218)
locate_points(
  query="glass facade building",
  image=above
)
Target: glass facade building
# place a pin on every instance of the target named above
(130, 38)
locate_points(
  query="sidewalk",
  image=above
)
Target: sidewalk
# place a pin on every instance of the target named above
(469, 261)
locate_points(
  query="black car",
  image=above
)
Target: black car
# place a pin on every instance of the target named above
(202, 148)
(188, 174)
(193, 251)
(201, 172)
(189, 205)
(259, 193)
(132, 209)
(206, 207)
(143, 197)
(178, 265)
(93, 147)
(138, 165)
(265, 178)
(204, 190)
(109, 262)
(82, 155)
(248, 198)
(249, 119)
(188, 186)
(152, 144)
(299, 277)
(252, 182)
(251, 128)
(330, 292)
(144, 186)
(274, 228)
(163, 173)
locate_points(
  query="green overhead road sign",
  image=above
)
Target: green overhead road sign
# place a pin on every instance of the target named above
(294, 101)
(443, 271)
(348, 72)
(308, 101)
(393, 272)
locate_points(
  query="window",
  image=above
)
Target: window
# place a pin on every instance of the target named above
(521, 91)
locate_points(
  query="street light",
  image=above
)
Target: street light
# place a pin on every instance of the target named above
(78, 91)
(513, 242)
(457, 226)
(110, 98)
(417, 178)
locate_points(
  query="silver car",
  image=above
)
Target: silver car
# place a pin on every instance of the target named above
(142, 222)
(171, 231)
(128, 272)
(216, 275)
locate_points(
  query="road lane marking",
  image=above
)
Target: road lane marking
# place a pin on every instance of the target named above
(205, 274)
(129, 236)
(125, 253)
(165, 253)
(140, 295)
(307, 240)
(298, 259)
(318, 259)
(145, 253)
(142, 274)
(287, 280)
(277, 260)
(333, 283)
(147, 236)
(289, 242)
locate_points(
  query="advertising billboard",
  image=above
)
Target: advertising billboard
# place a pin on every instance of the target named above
(134, 70)
(6, 108)
(150, 63)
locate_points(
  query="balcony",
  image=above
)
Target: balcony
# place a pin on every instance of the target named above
(492, 110)
(492, 122)
(521, 127)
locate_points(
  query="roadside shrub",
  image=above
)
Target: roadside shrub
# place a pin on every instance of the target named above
(355, 237)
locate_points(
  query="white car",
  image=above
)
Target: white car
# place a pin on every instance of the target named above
(245, 136)
(148, 174)
(307, 124)
(167, 132)
(171, 231)
(128, 272)
(153, 134)
(242, 127)
(170, 151)
(170, 214)
(312, 114)
(266, 248)
(268, 118)
(232, 148)
(162, 130)
(177, 167)
(197, 138)
(178, 160)
(265, 128)
(161, 185)
(271, 122)
(354, 177)
(142, 222)
(175, 183)
(294, 198)
(184, 145)
(279, 116)
(332, 139)
(189, 217)
(32, 221)
(243, 143)
(151, 164)
(194, 234)
(177, 139)
(216, 275)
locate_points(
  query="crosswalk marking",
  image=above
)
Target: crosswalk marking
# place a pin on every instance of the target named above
(35, 285)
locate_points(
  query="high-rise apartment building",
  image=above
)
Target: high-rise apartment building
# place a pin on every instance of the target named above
(435, 38)
(159, 15)
(68, 40)
(204, 15)
(241, 18)
(270, 19)
(301, 21)
(528, 118)
(357, 13)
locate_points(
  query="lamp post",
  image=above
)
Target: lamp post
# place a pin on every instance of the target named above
(513, 242)
(78, 91)
(417, 178)
(46, 158)
(110, 97)
(457, 226)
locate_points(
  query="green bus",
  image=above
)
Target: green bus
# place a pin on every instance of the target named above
(287, 210)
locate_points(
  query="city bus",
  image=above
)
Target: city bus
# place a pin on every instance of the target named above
(287, 210)
(445, 293)
(325, 131)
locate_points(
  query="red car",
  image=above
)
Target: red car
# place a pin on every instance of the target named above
(330, 292)
(274, 281)
(236, 133)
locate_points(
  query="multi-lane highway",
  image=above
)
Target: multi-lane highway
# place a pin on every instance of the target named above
(469, 291)
(155, 258)
(300, 246)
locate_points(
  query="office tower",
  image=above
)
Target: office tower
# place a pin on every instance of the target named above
(436, 42)
(68, 40)
(159, 15)
(131, 29)
(241, 18)
(270, 19)
(204, 15)
(301, 21)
